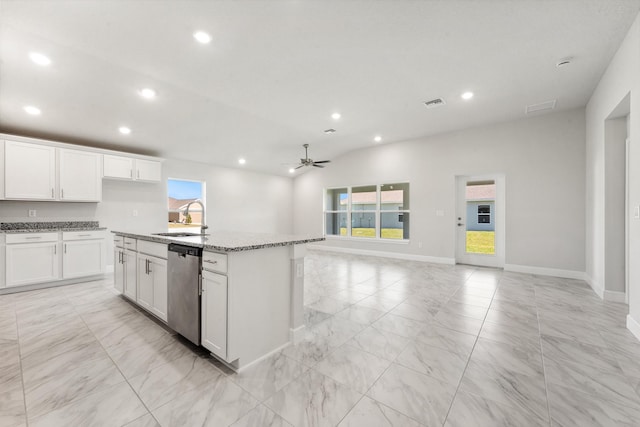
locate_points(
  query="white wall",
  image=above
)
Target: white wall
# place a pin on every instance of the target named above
(621, 78)
(543, 159)
(236, 200)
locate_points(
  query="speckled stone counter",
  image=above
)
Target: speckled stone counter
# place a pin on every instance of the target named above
(42, 227)
(227, 241)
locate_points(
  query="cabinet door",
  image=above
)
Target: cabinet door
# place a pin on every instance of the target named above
(158, 269)
(130, 286)
(83, 258)
(30, 171)
(145, 283)
(214, 313)
(118, 167)
(80, 176)
(118, 277)
(148, 170)
(31, 263)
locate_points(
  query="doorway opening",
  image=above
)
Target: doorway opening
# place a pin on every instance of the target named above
(480, 220)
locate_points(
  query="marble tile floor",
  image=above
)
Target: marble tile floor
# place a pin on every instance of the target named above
(387, 343)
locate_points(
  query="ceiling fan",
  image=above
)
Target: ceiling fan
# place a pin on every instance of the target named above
(309, 162)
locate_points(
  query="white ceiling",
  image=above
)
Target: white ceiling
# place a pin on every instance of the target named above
(276, 70)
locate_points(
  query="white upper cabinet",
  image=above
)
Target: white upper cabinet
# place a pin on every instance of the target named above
(30, 171)
(148, 170)
(127, 168)
(80, 176)
(118, 167)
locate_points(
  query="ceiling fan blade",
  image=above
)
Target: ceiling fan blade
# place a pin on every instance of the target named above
(299, 166)
(318, 166)
(323, 161)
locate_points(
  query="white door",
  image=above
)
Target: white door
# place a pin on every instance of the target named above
(80, 176)
(214, 313)
(31, 263)
(83, 258)
(158, 272)
(145, 283)
(30, 171)
(480, 220)
(148, 170)
(130, 285)
(117, 167)
(118, 278)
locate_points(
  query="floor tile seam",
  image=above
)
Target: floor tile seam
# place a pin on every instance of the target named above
(126, 380)
(464, 371)
(544, 367)
(24, 395)
(376, 400)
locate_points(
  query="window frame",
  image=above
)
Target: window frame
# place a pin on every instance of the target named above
(377, 214)
(203, 198)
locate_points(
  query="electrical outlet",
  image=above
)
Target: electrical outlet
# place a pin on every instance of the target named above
(636, 212)
(439, 212)
(135, 212)
(32, 213)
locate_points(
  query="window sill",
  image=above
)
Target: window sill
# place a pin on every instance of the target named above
(368, 239)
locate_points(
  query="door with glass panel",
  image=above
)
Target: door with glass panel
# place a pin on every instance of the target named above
(480, 220)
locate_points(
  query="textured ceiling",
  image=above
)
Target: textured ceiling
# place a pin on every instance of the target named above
(275, 71)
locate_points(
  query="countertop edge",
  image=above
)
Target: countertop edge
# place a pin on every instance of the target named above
(216, 247)
(52, 230)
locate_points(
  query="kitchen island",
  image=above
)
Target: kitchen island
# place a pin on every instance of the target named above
(252, 288)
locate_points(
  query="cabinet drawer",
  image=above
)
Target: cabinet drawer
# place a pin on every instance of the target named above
(130, 243)
(152, 248)
(31, 237)
(213, 261)
(118, 241)
(83, 235)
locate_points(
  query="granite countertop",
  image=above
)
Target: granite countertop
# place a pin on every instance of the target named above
(226, 241)
(50, 226)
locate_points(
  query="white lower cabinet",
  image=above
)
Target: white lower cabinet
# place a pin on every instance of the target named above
(129, 285)
(83, 257)
(28, 263)
(214, 313)
(152, 285)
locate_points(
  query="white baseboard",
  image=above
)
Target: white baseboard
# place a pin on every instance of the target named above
(383, 254)
(633, 326)
(597, 287)
(615, 296)
(544, 271)
(296, 335)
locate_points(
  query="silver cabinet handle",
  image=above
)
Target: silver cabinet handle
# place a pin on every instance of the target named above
(84, 235)
(65, 248)
(33, 238)
(52, 196)
(138, 173)
(55, 250)
(130, 173)
(210, 262)
(62, 193)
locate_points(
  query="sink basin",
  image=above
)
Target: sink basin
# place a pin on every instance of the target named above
(179, 234)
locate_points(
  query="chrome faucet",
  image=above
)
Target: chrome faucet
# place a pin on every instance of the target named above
(203, 225)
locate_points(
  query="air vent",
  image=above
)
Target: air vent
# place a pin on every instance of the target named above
(547, 105)
(328, 131)
(434, 103)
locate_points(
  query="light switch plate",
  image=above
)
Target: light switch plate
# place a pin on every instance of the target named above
(636, 212)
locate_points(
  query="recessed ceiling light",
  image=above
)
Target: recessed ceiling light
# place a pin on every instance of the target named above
(34, 111)
(292, 170)
(335, 116)
(124, 130)
(242, 161)
(377, 138)
(147, 93)
(202, 37)
(467, 96)
(39, 58)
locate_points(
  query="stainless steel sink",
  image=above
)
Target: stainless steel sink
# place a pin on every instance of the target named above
(179, 234)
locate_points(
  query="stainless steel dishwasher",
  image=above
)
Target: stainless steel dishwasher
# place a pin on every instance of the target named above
(183, 313)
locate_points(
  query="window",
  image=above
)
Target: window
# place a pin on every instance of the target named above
(180, 193)
(368, 211)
